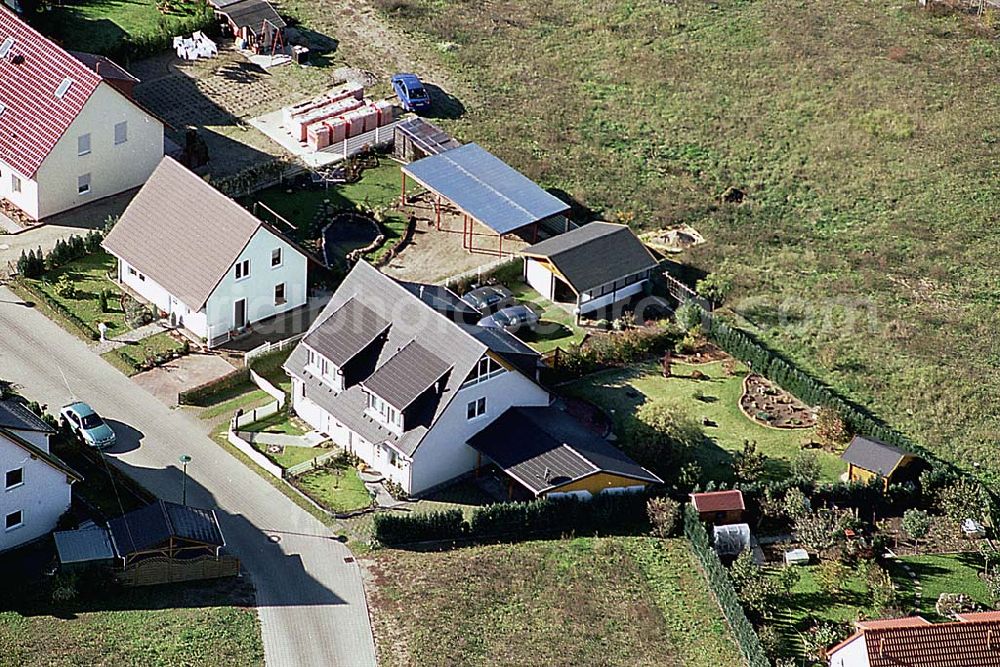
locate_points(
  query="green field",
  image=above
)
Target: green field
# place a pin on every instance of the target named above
(951, 573)
(587, 601)
(622, 391)
(862, 134)
(198, 625)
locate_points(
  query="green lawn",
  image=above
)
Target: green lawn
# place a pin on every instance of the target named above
(158, 344)
(952, 573)
(89, 276)
(377, 187)
(337, 489)
(246, 396)
(633, 602)
(281, 422)
(99, 26)
(862, 133)
(290, 456)
(558, 326)
(809, 603)
(622, 391)
(183, 624)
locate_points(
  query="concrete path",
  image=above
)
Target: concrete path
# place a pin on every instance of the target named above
(133, 336)
(311, 439)
(310, 596)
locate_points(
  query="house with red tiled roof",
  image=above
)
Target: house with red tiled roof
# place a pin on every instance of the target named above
(69, 135)
(971, 641)
(719, 507)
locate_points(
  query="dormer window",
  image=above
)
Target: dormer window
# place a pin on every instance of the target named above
(325, 370)
(486, 368)
(385, 413)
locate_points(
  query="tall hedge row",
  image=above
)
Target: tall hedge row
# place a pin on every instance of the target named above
(604, 513)
(722, 587)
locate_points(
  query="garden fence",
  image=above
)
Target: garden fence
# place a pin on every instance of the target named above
(311, 464)
(268, 348)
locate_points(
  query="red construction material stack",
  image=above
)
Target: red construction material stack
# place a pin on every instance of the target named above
(337, 128)
(318, 136)
(386, 111)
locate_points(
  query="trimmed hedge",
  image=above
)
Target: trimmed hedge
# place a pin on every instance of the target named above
(604, 513)
(203, 393)
(72, 321)
(722, 587)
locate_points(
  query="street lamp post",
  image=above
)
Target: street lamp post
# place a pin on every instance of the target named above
(185, 460)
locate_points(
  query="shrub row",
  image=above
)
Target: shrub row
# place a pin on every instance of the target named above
(72, 321)
(203, 393)
(722, 586)
(604, 513)
(612, 350)
(136, 47)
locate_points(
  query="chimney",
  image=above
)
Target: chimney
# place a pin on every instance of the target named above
(421, 291)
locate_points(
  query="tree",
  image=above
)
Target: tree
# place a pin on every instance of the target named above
(748, 464)
(757, 591)
(916, 523)
(963, 499)
(688, 315)
(715, 286)
(820, 530)
(795, 504)
(805, 467)
(831, 575)
(831, 429)
(662, 437)
(663, 513)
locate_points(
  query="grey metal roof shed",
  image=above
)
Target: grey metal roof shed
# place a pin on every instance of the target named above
(485, 189)
(86, 545)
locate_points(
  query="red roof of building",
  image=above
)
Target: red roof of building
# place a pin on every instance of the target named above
(913, 642)
(34, 119)
(718, 501)
(979, 616)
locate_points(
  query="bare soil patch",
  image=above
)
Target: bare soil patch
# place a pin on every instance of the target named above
(768, 404)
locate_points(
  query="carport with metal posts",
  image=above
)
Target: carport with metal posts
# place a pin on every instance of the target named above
(485, 190)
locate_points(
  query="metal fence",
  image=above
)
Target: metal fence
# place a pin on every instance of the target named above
(361, 143)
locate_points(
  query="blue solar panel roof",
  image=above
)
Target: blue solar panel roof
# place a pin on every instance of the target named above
(486, 187)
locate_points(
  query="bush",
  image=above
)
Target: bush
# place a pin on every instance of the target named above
(662, 437)
(663, 514)
(204, 393)
(688, 316)
(916, 523)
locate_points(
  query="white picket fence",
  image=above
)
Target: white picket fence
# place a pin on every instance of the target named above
(311, 464)
(361, 143)
(267, 348)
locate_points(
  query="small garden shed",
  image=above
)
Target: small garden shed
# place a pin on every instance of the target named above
(868, 459)
(719, 507)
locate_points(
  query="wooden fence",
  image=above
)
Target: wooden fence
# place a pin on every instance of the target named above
(162, 570)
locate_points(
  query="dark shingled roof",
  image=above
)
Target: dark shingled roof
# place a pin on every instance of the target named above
(150, 526)
(411, 319)
(487, 188)
(348, 331)
(249, 13)
(408, 374)
(444, 301)
(595, 254)
(544, 448)
(14, 414)
(873, 455)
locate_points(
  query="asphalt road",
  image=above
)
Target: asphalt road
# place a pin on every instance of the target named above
(310, 597)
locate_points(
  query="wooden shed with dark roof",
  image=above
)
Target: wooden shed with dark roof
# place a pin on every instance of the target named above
(592, 267)
(869, 458)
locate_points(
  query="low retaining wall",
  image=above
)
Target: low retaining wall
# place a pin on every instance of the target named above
(255, 456)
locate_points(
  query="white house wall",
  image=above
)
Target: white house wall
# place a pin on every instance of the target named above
(27, 198)
(156, 294)
(540, 278)
(852, 654)
(37, 438)
(258, 287)
(113, 169)
(42, 498)
(444, 454)
(589, 302)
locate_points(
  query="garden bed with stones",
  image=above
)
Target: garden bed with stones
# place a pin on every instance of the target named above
(767, 404)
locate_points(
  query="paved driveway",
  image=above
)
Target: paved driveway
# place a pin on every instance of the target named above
(187, 372)
(310, 598)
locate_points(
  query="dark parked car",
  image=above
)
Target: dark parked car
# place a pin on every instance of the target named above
(490, 298)
(411, 92)
(512, 319)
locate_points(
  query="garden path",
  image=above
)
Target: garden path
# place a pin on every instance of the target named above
(133, 336)
(311, 439)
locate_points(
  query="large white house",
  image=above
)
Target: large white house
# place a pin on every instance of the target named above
(35, 485)
(913, 641)
(202, 259)
(68, 135)
(401, 375)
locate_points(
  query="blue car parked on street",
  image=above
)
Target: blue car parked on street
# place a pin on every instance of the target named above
(411, 92)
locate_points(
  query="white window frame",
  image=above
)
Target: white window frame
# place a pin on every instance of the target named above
(9, 487)
(284, 298)
(280, 258)
(475, 409)
(243, 269)
(123, 138)
(6, 519)
(15, 183)
(83, 144)
(83, 186)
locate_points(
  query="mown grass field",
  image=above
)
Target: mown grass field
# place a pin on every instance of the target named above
(197, 625)
(862, 133)
(586, 601)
